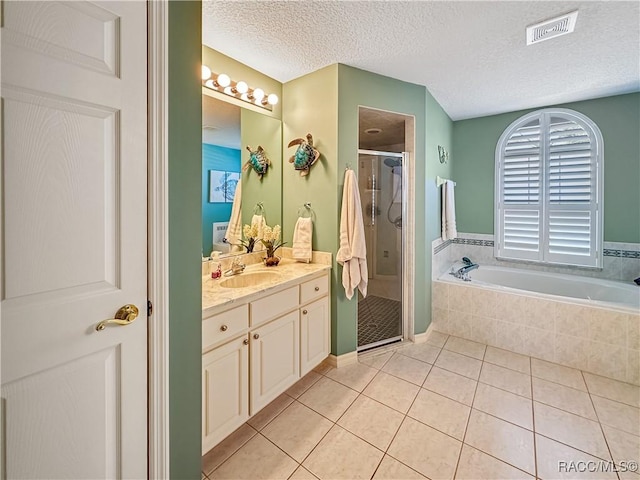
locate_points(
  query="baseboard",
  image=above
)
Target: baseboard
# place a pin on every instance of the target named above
(342, 360)
(421, 337)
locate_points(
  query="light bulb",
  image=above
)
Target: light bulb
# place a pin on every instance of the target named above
(272, 99)
(228, 91)
(206, 72)
(245, 97)
(224, 80)
(242, 87)
(209, 83)
(258, 94)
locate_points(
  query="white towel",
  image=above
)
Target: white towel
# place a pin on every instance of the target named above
(352, 254)
(302, 239)
(234, 229)
(449, 231)
(260, 222)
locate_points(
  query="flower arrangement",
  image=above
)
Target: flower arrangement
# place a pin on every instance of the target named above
(271, 241)
(250, 233)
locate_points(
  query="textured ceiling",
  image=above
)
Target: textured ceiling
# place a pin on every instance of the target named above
(472, 56)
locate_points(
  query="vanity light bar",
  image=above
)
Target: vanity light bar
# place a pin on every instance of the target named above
(240, 90)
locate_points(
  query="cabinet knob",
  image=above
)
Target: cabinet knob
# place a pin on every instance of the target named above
(256, 336)
(223, 328)
(317, 289)
(304, 312)
(245, 341)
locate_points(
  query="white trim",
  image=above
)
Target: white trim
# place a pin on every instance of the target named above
(158, 239)
(343, 360)
(422, 337)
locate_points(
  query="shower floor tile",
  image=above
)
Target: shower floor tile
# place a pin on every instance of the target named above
(368, 421)
(378, 319)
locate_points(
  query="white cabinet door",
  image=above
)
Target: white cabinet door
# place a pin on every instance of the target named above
(275, 361)
(225, 391)
(314, 334)
(74, 238)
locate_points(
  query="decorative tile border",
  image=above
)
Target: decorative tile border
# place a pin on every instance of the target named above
(608, 252)
(442, 246)
(473, 241)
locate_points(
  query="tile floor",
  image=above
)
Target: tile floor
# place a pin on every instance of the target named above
(378, 319)
(448, 408)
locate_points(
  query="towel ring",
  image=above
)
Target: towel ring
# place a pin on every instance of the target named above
(258, 209)
(306, 211)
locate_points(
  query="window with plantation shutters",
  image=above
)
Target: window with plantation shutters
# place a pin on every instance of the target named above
(549, 190)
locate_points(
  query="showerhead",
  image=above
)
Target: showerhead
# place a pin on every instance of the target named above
(393, 162)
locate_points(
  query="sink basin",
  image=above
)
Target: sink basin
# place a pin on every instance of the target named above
(251, 279)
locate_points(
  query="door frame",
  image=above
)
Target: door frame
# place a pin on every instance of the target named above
(158, 238)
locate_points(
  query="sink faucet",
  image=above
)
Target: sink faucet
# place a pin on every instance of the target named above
(236, 268)
(463, 272)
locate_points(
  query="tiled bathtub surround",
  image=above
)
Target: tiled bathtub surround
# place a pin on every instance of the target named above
(606, 342)
(621, 260)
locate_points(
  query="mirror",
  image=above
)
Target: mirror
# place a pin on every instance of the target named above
(227, 130)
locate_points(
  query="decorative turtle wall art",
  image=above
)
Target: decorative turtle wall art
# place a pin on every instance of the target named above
(258, 160)
(306, 155)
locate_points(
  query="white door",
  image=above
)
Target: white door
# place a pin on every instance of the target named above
(225, 391)
(314, 334)
(73, 238)
(275, 359)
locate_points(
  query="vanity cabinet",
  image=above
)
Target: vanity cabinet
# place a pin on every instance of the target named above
(254, 351)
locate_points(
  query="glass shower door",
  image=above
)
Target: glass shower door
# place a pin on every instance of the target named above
(380, 314)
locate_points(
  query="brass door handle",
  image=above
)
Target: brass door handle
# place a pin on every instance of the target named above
(124, 316)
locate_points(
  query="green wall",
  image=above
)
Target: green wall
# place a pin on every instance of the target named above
(258, 129)
(185, 240)
(617, 117)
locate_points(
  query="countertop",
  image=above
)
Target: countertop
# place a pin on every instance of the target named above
(290, 272)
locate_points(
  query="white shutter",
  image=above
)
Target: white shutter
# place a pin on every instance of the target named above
(548, 193)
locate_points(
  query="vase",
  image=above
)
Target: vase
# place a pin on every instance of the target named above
(271, 261)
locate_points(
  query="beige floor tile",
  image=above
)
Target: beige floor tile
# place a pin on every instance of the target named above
(437, 339)
(204, 477)
(617, 415)
(268, 413)
(426, 450)
(328, 398)
(324, 367)
(297, 430)
(564, 398)
(441, 413)
(558, 461)
(505, 405)
(407, 368)
(506, 379)
(342, 455)
(451, 385)
(304, 384)
(577, 432)
(465, 347)
(503, 440)
(302, 474)
(256, 459)
(424, 352)
(624, 446)
(218, 454)
(392, 391)
(461, 364)
(356, 375)
(628, 475)
(376, 361)
(553, 372)
(613, 389)
(507, 359)
(372, 421)
(392, 469)
(476, 465)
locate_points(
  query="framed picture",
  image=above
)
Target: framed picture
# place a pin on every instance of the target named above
(222, 186)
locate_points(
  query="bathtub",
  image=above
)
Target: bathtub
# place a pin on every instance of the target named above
(580, 322)
(583, 289)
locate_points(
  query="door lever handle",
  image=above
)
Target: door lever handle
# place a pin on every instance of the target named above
(124, 316)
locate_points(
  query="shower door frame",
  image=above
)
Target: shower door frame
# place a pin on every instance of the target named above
(407, 273)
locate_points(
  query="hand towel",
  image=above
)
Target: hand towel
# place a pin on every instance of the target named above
(260, 222)
(352, 254)
(302, 239)
(234, 229)
(449, 231)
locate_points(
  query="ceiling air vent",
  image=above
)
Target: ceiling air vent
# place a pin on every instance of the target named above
(551, 28)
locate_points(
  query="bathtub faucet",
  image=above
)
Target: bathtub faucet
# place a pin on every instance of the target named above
(463, 272)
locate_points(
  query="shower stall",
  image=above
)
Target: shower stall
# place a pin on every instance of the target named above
(381, 180)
